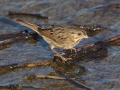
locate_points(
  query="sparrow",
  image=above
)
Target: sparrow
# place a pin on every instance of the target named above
(57, 36)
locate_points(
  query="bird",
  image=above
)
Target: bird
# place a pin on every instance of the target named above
(57, 36)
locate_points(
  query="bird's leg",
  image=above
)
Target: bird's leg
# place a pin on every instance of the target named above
(74, 51)
(63, 58)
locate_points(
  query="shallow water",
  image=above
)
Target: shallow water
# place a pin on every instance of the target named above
(100, 74)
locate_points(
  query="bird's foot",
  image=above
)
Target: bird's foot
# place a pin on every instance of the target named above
(73, 49)
(63, 58)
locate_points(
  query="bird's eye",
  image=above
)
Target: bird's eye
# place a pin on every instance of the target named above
(79, 33)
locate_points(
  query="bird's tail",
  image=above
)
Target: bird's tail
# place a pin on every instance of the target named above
(29, 25)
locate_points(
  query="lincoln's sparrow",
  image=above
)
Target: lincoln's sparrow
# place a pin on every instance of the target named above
(64, 37)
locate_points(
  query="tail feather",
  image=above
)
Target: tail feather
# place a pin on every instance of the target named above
(29, 25)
